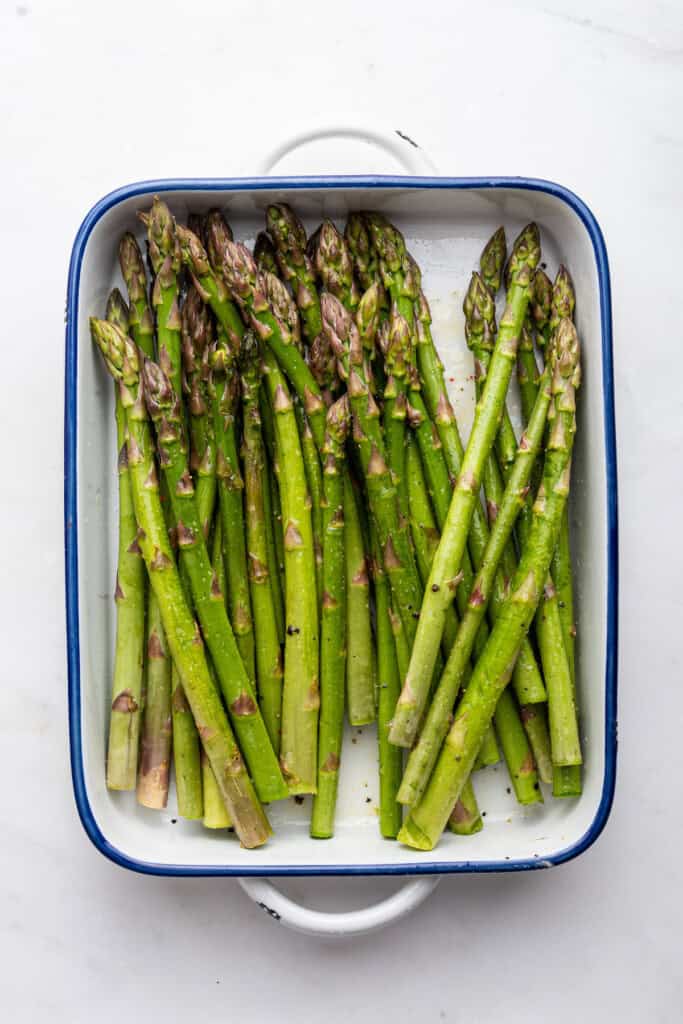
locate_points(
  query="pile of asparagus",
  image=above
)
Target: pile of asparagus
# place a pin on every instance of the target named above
(302, 534)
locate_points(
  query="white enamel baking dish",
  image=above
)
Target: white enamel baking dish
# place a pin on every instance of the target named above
(446, 222)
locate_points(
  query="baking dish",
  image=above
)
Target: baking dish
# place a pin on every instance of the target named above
(446, 222)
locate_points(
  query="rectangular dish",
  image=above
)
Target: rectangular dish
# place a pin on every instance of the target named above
(446, 221)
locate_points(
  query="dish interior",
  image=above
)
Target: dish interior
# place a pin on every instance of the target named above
(445, 229)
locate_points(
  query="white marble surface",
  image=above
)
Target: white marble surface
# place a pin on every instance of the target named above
(91, 96)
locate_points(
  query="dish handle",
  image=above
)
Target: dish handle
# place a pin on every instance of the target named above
(322, 923)
(396, 145)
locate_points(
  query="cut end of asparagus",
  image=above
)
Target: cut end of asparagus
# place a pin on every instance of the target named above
(567, 781)
(492, 261)
(411, 835)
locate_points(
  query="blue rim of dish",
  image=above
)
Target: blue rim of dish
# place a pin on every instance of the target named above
(71, 523)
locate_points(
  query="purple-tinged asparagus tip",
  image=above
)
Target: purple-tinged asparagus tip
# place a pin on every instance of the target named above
(492, 260)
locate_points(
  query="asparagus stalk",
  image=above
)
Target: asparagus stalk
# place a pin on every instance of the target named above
(289, 238)
(215, 815)
(301, 693)
(207, 281)
(273, 512)
(423, 757)
(251, 824)
(333, 625)
(399, 274)
(423, 528)
(389, 686)
(550, 304)
(394, 537)
(215, 812)
(563, 303)
(224, 390)
(480, 332)
(365, 259)
(314, 479)
(535, 721)
(196, 333)
(157, 730)
(269, 668)
(360, 662)
(443, 578)
(164, 255)
(250, 289)
(465, 818)
(396, 360)
(492, 672)
(333, 263)
(129, 595)
(265, 254)
(235, 682)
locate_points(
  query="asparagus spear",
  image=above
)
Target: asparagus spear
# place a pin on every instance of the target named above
(289, 238)
(422, 758)
(480, 332)
(215, 814)
(492, 672)
(333, 263)
(334, 266)
(360, 660)
(156, 733)
(157, 729)
(400, 275)
(550, 303)
(333, 625)
(423, 528)
(563, 302)
(163, 407)
(196, 333)
(364, 254)
(129, 595)
(389, 685)
(273, 513)
(248, 287)
(224, 390)
(268, 655)
(444, 575)
(394, 538)
(396, 359)
(208, 283)
(121, 358)
(164, 256)
(301, 694)
(265, 254)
